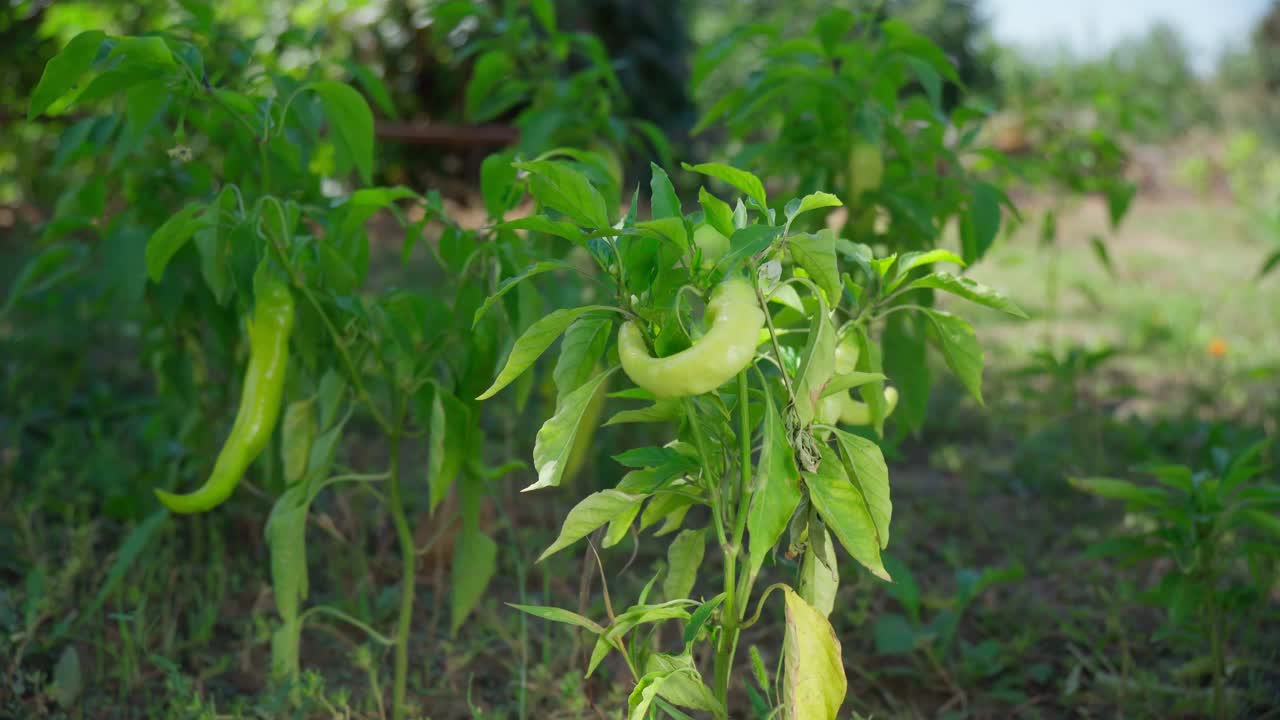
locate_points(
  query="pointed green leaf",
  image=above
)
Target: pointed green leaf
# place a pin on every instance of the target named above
(554, 443)
(530, 346)
(740, 179)
(592, 512)
(64, 70)
(777, 490)
(506, 285)
(475, 559)
(684, 557)
(845, 511)
(960, 348)
(969, 290)
(716, 212)
(864, 463)
(813, 201)
(816, 253)
(351, 122)
(558, 186)
(169, 238)
(559, 615)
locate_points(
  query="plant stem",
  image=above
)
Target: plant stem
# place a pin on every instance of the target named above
(731, 625)
(407, 576)
(1218, 651)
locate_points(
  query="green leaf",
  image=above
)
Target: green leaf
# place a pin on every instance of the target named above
(1119, 197)
(580, 352)
(1269, 264)
(847, 381)
(494, 86)
(554, 442)
(498, 185)
(909, 261)
(969, 290)
(960, 349)
(1100, 251)
(817, 363)
(475, 559)
(558, 186)
(373, 86)
(64, 70)
(777, 489)
(530, 346)
(865, 466)
(448, 423)
(814, 683)
(594, 511)
(716, 212)
(665, 203)
(816, 253)
(297, 432)
(545, 12)
(506, 285)
(819, 570)
(169, 238)
(543, 224)
(286, 533)
(905, 357)
(684, 557)
(740, 179)
(620, 526)
(678, 682)
(668, 229)
(67, 679)
(351, 121)
(812, 201)
(559, 615)
(660, 411)
(1122, 490)
(698, 619)
(846, 511)
(743, 244)
(929, 79)
(981, 222)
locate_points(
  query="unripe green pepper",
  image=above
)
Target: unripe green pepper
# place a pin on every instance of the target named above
(855, 412)
(259, 402)
(734, 318)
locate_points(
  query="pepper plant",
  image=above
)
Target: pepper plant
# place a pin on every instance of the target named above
(270, 247)
(758, 464)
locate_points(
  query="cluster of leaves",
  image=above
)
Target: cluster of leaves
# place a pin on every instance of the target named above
(227, 184)
(560, 85)
(811, 479)
(853, 81)
(1219, 529)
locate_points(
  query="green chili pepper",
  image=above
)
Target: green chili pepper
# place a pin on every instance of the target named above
(259, 403)
(729, 345)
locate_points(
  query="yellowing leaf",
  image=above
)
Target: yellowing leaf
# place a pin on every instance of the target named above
(814, 684)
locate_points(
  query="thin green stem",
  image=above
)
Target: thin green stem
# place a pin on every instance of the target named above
(732, 612)
(710, 484)
(350, 620)
(407, 576)
(356, 379)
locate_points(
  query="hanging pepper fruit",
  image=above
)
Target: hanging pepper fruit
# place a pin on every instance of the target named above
(734, 318)
(260, 398)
